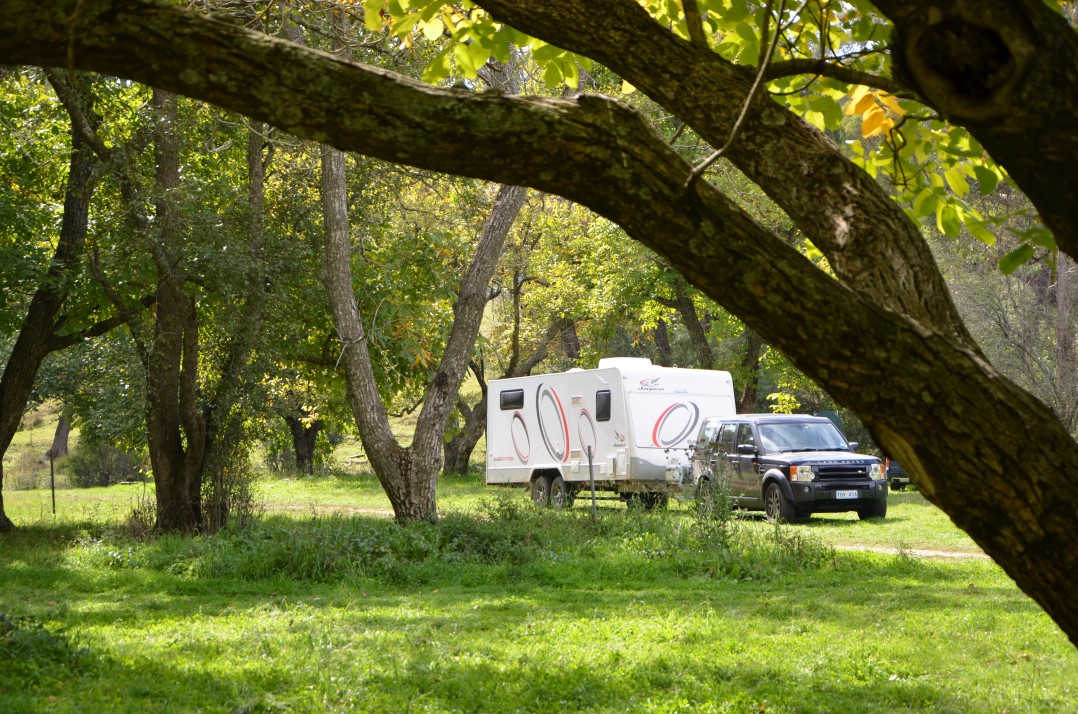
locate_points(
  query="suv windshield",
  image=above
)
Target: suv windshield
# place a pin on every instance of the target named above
(801, 436)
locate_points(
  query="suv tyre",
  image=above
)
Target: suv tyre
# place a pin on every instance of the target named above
(777, 506)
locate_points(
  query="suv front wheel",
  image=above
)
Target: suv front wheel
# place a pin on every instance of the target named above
(777, 506)
(876, 510)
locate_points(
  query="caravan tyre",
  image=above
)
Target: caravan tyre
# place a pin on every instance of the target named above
(541, 490)
(652, 501)
(559, 493)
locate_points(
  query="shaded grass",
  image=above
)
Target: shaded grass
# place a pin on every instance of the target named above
(504, 608)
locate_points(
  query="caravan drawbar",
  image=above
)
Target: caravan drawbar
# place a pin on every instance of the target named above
(637, 419)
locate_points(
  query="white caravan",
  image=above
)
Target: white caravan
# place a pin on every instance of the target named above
(638, 419)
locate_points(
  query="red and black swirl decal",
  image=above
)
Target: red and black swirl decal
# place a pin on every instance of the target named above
(675, 424)
(553, 426)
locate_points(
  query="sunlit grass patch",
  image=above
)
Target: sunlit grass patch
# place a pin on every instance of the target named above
(504, 607)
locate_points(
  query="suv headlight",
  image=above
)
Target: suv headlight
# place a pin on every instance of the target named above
(876, 472)
(801, 472)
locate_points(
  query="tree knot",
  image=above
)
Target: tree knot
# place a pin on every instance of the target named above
(968, 62)
(975, 60)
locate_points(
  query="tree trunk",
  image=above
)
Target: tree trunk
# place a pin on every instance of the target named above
(225, 433)
(750, 371)
(662, 344)
(686, 308)
(457, 454)
(176, 430)
(5, 522)
(1066, 341)
(60, 437)
(37, 334)
(304, 438)
(409, 476)
(570, 343)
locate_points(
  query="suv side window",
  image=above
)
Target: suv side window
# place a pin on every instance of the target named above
(745, 437)
(707, 436)
(726, 438)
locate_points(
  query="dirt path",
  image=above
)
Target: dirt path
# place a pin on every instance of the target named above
(317, 509)
(914, 552)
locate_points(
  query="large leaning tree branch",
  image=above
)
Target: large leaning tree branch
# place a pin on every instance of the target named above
(995, 459)
(836, 204)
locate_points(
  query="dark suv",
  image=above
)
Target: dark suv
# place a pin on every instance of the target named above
(896, 475)
(788, 466)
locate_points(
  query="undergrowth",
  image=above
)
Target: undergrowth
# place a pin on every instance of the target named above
(503, 538)
(31, 654)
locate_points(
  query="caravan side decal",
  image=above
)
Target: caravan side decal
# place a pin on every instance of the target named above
(679, 420)
(553, 426)
(522, 441)
(585, 431)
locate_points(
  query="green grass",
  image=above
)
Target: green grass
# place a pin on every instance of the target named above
(503, 608)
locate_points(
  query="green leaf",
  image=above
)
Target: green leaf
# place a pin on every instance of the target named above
(747, 33)
(372, 14)
(817, 119)
(736, 11)
(956, 181)
(948, 221)
(438, 69)
(552, 75)
(1016, 258)
(433, 30)
(1039, 235)
(925, 204)
(987, 179)
(979, 230)
(545, 53)
(570, 72)
(470, 58)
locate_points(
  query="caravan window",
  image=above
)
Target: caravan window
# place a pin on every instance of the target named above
(512, 399)
(602, 405)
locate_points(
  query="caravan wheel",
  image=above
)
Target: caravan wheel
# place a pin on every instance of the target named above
(561, 496)
(652, 501)
(541, 490)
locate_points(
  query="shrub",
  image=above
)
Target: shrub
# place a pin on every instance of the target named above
(101, 465)
(27, 472)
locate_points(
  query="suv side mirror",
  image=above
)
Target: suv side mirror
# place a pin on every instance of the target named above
(854, 445)
(747, 450)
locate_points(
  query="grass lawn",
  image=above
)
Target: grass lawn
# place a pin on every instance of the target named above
(325, 605)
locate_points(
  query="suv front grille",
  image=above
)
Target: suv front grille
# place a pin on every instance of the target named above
(836, 472)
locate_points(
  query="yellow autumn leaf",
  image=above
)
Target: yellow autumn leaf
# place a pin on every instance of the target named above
(433, 30)
(889, 101)
(857, 94)
(865, 104)
(875, 121)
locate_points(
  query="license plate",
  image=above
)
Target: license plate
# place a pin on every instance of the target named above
(846, 494)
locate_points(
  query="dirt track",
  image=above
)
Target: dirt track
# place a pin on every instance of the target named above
(914, 552)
